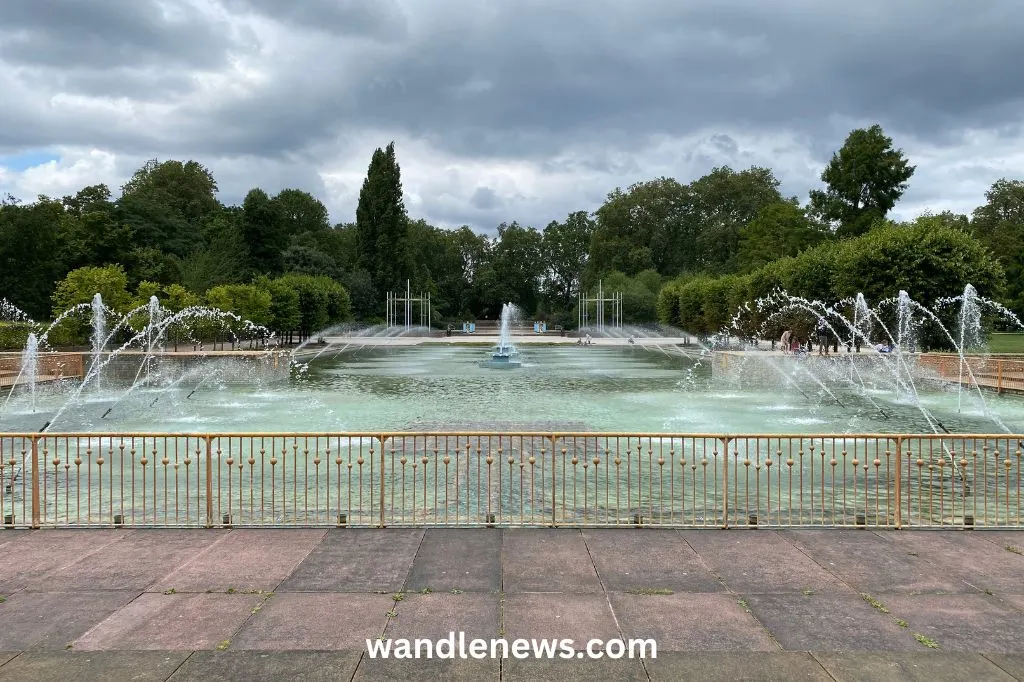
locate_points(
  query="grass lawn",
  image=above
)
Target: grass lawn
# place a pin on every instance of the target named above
(1003, 342)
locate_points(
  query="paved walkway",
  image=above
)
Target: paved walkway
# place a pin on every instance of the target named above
(300, 604)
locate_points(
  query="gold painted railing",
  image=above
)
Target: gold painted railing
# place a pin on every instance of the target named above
(510, 479)
(998, 373)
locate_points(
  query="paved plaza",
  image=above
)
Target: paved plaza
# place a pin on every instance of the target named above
(301, 603)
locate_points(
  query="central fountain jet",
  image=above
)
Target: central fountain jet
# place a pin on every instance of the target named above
(505, 355)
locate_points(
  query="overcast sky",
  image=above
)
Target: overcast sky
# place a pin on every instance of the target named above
(506, 109)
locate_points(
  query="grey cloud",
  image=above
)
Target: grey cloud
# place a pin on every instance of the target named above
(485, 198)
(571, 86)
(515, 79)
(380, 19)
(107, 33)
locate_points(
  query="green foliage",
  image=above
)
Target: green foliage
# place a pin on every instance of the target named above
(864, 180)
(80, 285)
(248, 301)
(564, 248)
(14, 335)
(169, 236)
(779, 230)
(926, 258)
(264, 232)
(999, 224)
(29, 254)
(381, 223)
(679, 229)
(513, 270)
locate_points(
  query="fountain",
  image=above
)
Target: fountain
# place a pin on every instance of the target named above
(505, 355)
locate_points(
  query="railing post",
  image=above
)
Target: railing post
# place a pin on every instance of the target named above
(209, 482)
(999, 375)
(554, 506)
(899, 486)
(380, 521)
(725, 480)
(35, 483)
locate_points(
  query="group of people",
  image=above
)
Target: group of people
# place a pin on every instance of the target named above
(791, 344)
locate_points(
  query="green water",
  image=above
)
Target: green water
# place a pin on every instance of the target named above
(428, 388)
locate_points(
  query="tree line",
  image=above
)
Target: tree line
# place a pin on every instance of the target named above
(167, 234)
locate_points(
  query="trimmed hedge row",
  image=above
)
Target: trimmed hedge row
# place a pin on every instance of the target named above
(926, 259)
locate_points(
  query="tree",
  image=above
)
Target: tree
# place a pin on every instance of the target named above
(322, 302)
(724, 202)
(187, 189)
(864, 180)
(30, 257)
(779, 230)
(647, 226)
(382, 223)
(565, 248)
(999, 224)
(301, 212)
(165, 202)
(263, 230)
(513, 271)
(223, 257)
(79, 286)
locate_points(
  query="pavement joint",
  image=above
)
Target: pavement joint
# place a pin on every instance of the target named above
(740, 601)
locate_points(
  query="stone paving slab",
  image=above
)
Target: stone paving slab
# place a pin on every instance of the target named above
(427, 670)
(183, 622)
(438, 614)
(52, 620)
(690, 622)
(962, 622)
(892, 568)
(579, 617)
(1014, 600)
(356, 560)
(6, 656)
(132, 563)
(966, 556)
(761, 562)
(1013, 664)
(263, 666)
(649, 558)
(112, 666)
(573, 671)
(309, 621)
(721, 666)
(828, 622)
(243, 560)
(567, 564)
(909, 667)
(33, 555)
(467, 559)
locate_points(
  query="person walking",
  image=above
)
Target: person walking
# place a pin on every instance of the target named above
(823, 340)
(786, 336)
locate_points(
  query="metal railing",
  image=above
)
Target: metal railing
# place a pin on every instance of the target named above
(1001, 374)
(510, 479)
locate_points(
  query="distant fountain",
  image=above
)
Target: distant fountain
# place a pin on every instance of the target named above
(30, 366)
(970, 333)
(99, 332)
(505, 355)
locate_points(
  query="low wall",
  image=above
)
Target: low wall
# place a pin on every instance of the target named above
(50, 364)
(773, 368)
(229, 366)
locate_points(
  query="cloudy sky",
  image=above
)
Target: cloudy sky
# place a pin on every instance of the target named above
(506, 109)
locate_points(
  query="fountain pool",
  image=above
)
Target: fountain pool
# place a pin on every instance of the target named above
(434, 387)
